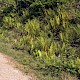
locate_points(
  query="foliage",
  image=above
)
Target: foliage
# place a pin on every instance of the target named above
(49, 30)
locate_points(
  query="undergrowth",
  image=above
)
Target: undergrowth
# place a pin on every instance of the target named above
(49, 31)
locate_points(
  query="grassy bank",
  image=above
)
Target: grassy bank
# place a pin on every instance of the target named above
(29, 64)
(43, 34)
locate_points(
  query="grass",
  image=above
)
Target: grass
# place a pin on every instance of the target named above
(43, 41)
(29, 64)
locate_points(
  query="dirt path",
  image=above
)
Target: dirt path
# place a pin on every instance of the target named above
(9, 72)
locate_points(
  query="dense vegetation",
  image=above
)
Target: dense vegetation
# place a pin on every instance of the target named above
(49, 30)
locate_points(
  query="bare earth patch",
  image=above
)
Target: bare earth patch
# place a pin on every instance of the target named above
(9, 72)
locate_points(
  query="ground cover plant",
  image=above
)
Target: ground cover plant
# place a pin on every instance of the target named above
(48, 30)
